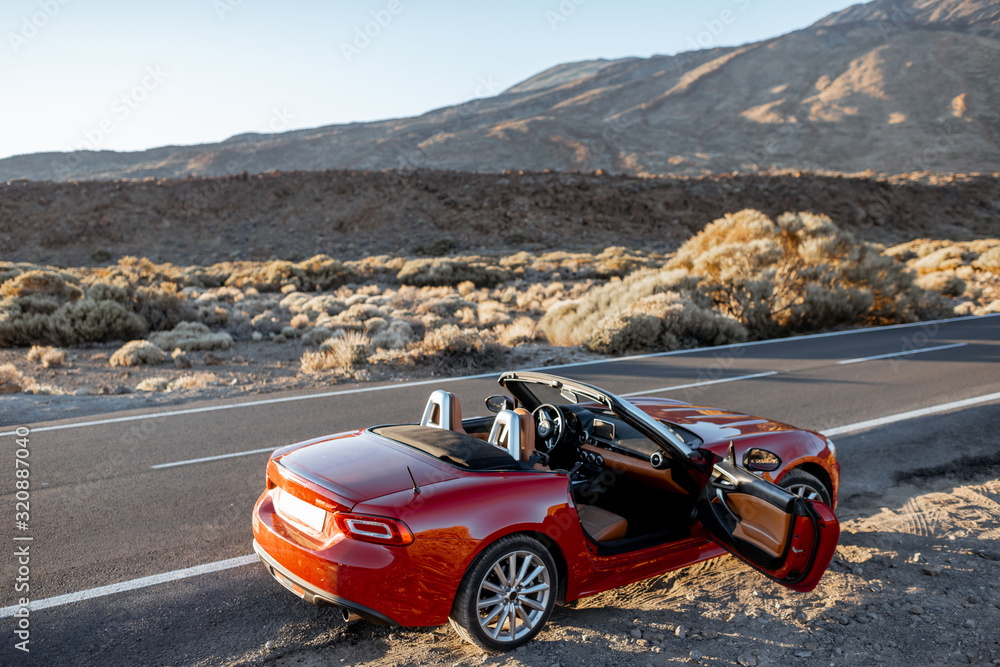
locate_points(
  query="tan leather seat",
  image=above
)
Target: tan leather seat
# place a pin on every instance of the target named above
(443, 411)
(602, 525)
(527, 425)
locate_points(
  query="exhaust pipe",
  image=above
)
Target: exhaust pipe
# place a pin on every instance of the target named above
(349, 615)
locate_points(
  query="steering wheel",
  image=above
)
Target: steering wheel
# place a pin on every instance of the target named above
(550, 427)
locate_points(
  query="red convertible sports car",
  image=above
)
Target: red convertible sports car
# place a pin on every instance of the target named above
(566, 492)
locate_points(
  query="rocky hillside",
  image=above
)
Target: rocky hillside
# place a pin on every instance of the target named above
(351, 215)
(892, 86)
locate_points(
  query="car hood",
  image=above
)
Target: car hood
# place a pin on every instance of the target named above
(714, 424)
(360, 465)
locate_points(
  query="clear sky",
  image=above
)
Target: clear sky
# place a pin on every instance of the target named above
(128, 74)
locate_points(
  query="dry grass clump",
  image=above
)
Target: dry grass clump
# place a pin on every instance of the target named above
(520, 331)
(49, 357)
(966, 271)
(663, 321)
(11, 379)
(453, 348)
(194, 381)
(154, 384)
(137, 353)
(450, 271)
(344, 352)
(190, 336)
(947, 284)
(42, 283)
(321, 272)
(395, 335)
(989, 260)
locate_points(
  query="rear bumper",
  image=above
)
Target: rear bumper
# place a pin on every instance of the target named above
(314, 595)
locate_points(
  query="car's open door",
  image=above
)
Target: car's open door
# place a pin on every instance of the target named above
(786, 537)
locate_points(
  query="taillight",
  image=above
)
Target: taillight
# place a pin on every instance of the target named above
(378, 529)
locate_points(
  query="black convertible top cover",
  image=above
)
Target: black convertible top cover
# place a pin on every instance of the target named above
(451, 447)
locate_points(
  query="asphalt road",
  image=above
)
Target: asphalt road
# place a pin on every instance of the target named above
(101, 514)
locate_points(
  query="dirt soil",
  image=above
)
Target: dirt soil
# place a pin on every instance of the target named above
(915, 581)
(353, 214)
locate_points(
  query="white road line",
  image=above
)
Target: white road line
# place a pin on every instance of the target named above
(592, 362)
(698, 384)
(900, 354)
(214, 458)
(912, 414)
(156, 579)
(132, 585)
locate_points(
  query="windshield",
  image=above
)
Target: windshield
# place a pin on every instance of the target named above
(546, 393)
(533, 389)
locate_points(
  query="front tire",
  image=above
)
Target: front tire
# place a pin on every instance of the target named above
(806, 485)
(507, 595)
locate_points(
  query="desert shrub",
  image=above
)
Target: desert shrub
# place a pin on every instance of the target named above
(154, 384)
(47, 356)
(87, 320)
(943, 259)
(444, 307)
(359, 313)
(380, 267)
(992, 307)
(569, 322)
(320, 272)
(266, 323)
(190, 336)
(663, 321)
(11, 379)
(48, 307)
(160, 306)
(616, 261)
(300, 321)
(395, 335)
(492, 313)
(799, 273)
(453, 348)
(947, 284)
(39, 282)
(521, 330)
(100, 291)
(194, 381)
(344, 353)
(27, 320)
(451, 272)
(989, 260)
(137, 353)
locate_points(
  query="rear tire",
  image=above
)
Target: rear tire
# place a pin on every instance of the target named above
(507, 595)
(804, 484)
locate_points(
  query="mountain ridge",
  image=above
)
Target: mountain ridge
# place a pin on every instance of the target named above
(891, 86)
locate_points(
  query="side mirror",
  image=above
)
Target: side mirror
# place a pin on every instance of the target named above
(760, 460)
(499, 403)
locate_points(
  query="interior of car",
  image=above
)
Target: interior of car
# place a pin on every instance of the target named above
(629, 492)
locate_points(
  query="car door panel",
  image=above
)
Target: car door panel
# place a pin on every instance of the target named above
(788, 538)
(763, 524)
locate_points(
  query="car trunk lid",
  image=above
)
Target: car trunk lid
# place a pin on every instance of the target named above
(359, 466)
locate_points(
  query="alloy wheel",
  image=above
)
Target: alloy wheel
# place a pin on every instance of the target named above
(513, 596)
